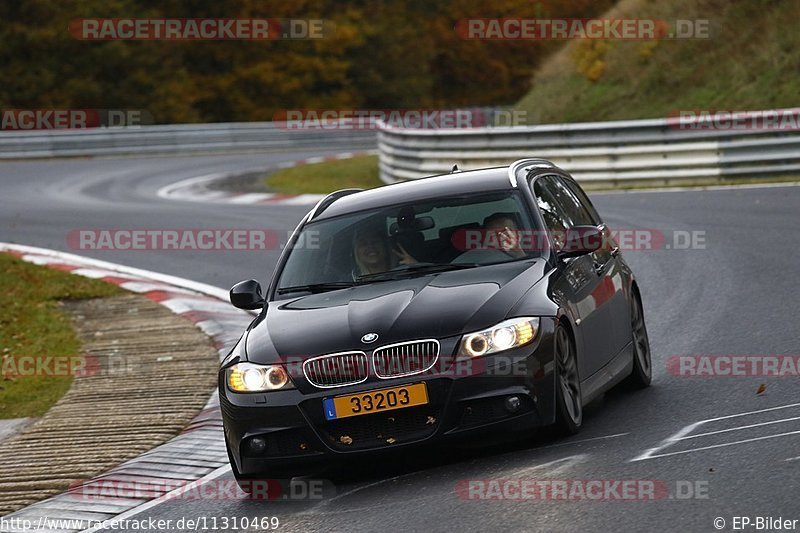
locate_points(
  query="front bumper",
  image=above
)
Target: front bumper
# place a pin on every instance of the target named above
(464, 400)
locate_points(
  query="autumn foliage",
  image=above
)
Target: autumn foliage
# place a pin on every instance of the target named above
(383, 54)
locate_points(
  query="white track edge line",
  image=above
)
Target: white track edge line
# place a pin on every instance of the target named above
(196, 286)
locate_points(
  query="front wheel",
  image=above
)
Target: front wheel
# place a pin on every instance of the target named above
(642, 373)
(569, 400)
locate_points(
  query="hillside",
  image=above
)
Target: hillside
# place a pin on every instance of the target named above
(750, 61)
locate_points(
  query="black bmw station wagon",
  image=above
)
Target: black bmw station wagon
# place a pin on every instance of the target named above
(486, 300)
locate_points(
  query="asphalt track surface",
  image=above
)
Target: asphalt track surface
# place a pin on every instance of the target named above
(736, 295)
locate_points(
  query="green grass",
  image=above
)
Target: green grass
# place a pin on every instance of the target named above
(321, 178)
(31, 325)
(749, 62)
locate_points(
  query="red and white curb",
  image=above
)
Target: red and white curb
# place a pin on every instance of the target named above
(198, 189)
(197, 452)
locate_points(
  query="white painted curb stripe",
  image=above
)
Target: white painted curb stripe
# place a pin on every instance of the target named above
(79, 261)
(196, 189)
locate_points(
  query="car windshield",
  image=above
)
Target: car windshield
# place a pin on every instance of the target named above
(404, 240)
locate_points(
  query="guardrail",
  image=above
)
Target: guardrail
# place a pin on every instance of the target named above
(602, 152)
(181, 138)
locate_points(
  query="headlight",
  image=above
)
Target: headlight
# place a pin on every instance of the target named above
(503, 336)
(247, 377)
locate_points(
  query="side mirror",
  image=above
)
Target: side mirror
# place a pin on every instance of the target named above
(247, 295)
(581, 240)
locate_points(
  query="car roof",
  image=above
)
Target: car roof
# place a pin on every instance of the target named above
(465, 182)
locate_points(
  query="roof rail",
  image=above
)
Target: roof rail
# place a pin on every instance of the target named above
(529, 165)
(323, 204)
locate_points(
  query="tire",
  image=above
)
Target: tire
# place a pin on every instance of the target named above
(569, 399)
(642, 372)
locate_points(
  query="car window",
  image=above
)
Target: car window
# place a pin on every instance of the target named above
(581, 197)
(555, 219)
(576, 213)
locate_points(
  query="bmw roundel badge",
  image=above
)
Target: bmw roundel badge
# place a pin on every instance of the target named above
(369, 337)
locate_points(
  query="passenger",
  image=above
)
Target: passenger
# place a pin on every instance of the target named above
(371, 251)
(373, 254)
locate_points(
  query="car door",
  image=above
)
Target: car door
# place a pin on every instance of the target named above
(608, 263)
(581, 282)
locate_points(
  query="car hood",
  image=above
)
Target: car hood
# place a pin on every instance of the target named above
(430, 306)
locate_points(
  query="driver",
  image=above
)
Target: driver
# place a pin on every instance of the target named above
(507, 229)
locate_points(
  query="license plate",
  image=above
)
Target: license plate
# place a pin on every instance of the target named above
(375, 401)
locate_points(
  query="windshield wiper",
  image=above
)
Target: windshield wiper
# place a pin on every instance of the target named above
(317, 287)
(417, 268)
